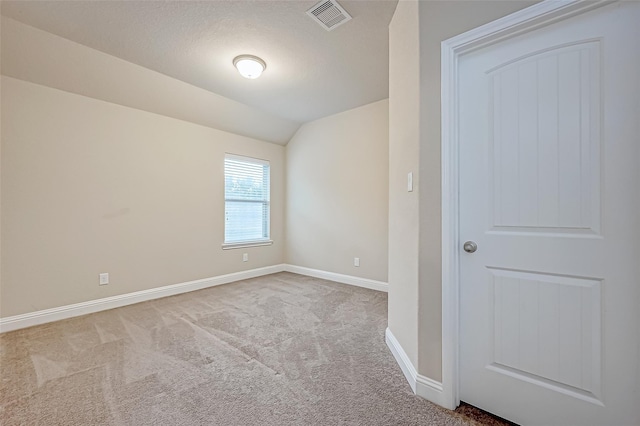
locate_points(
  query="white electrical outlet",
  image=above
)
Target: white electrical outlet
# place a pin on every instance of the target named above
(356, 261)
(245, 257)
(104, 279)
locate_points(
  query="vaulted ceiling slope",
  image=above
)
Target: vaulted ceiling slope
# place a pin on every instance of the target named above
(311, 73)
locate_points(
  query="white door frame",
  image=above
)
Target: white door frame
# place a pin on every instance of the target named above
(528, 19)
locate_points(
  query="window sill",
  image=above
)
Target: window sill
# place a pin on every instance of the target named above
(243, 244)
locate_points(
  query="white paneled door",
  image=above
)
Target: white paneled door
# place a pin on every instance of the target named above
(550, 195)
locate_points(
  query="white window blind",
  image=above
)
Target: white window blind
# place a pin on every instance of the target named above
(246, 199)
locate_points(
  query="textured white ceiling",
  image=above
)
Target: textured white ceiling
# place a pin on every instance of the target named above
(311, 73)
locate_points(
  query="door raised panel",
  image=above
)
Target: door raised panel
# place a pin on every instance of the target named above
(545, 141)
(547, 330)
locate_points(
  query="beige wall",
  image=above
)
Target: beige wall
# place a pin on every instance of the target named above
(337, 193)
(415, 290)
(0, 170)
(404, 103)
(90, 186)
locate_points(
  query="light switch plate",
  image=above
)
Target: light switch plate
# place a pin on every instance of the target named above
(410, 182)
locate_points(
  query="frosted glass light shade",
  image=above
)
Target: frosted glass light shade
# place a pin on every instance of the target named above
(249, 66)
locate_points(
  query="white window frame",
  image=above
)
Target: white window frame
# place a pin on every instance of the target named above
(253, 242)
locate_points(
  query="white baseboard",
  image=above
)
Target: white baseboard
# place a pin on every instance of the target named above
(423, 386)
(69, 311)
(402, 359)
(340, 278)
(63, 312)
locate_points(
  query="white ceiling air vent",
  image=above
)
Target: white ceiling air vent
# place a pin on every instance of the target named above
(329, 14)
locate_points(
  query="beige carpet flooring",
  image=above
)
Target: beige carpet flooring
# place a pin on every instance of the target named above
(283, 349)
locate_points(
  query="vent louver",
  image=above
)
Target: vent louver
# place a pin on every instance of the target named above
(329, 14)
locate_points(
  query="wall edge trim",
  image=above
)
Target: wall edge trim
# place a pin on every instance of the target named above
(340, 278)
(423, 386)
(44, 316)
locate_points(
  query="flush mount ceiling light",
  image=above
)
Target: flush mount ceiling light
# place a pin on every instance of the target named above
(249, 66)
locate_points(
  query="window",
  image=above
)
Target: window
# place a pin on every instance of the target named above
(246, 201)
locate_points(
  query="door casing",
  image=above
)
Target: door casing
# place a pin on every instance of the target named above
(452, 49)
